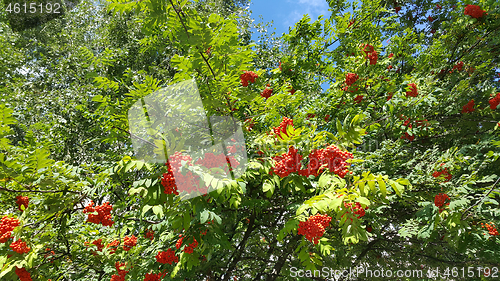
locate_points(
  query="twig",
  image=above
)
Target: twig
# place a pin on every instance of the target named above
(488, 193)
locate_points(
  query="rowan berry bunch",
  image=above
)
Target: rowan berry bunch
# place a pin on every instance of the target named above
(22, 201)
(314, 227)
(98, 244)
(358, 99)
(113, 246)
(494, 102)
(188, 249)
(441, 200)
(103, 213)
(167, 257)
(121, 272)
(180, 182)
(474, 11)
(281, 129)
(150, 234)
(129, 242)
(492, 230)
(406, 135)
(469, 107)
(23, 274)
(287, 163)
(330, 157)
(154, 277)
(20, 247)
(7, 225)
(413, 90)
(248, 76)
(356, 209)
(266, 93)
(459, 66)
(443, 172)
(351, 78)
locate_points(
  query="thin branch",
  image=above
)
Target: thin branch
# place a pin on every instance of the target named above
(486, 195)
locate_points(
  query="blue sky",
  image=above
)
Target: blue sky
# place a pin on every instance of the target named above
(285, 13)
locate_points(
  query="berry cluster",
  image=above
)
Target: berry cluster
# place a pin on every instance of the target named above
(444, 172)
(167, 257)
(474, 11)
(113, 246)
(371, 54)
(459, 66)
(188, 182)
(150, 234)
(441, 200)
(211, 160)
(103, 214)
(330, 157)
(314, 227)
(287, 163)
(281, 129)
(129, 242)
(22, 201)
(7, 225)
(358, 98)
(494, 102)
(248, 76)
(266, 93)
(356, 209)
(351, 78)
(469, 107)
(413, 90)
(23, 274)
(121, 272)
(154, 277)
(406, 135)
(491, 228)
(188, 249)
(20, 247)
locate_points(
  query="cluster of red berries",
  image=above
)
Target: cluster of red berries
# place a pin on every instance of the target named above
(356, 209)
(121, 272)
(358, 99)
(351, 78)
(154, 277)
(406, 135)
(98, 244)
(413, 90)
(281, 129)
(459, 66)
(371, 54)
(474, 11)
(188, 249)
(332, 157)
(314, 227)
(469, 107)
(129, 242)
(211, 160)
(430, 19)
(188, 182)
(491, 228)
(287, 163)
(494, 102)
(113, 246)
(150, 234)
(248, 76)
(266, 93)
(20, 247)
(167, 257)
(441, 200)
(22, 201)
(23, 274)
(103, 214)
(444, 172)
(397, 8)
(7, 225)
